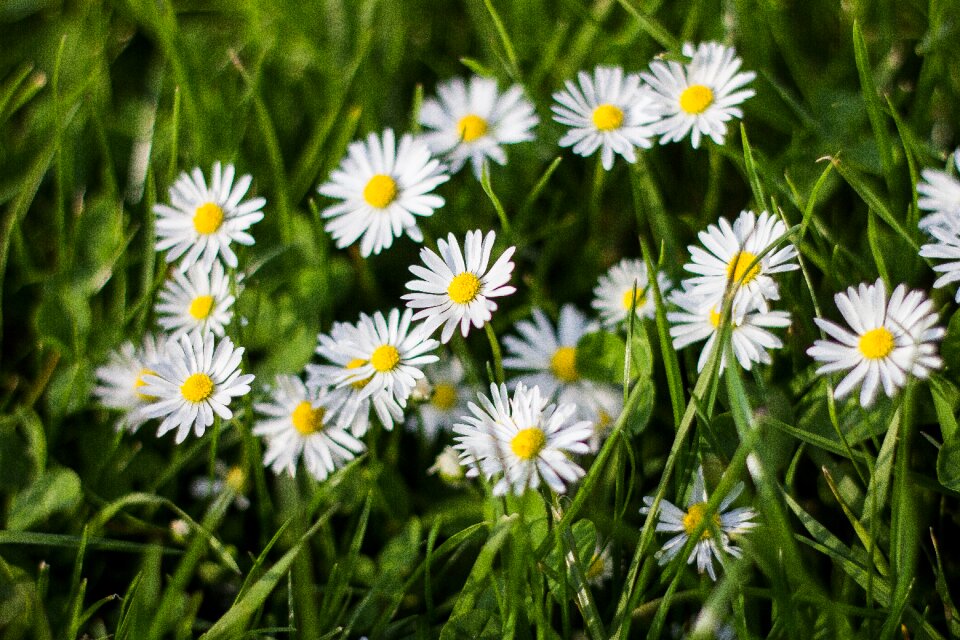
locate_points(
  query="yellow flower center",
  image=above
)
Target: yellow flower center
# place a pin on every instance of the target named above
(471, 127)
(444, 396)
(236, 479)
(715, 318)
(380, 191)
(528, 443)
(629, 298)
(694, 517)
(563, 364)
(595, 570)
(876, 343)
(306, 419)
(200, 307)
(354, 364)
(140, 383)
(464, 288)
(197, 387)
(695, 99)
(207, 218)
(739, 270)
(607, 117)
(385, 358)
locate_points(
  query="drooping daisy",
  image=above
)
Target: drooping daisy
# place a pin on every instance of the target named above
(749, 335)
(297, 424)
(686, 523)
(941, 196)
(698, 97)
(524, 438)
(121, 381)
(471, 121)
(615, 292)
(455, 288)
(383, 187)
(609, 111)
(947, 247)
(201, 222)
(196, 378)
(730, 253)
(199, 300)
(890, 339)
(447, 397)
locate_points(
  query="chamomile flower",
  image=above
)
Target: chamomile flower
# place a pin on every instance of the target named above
(699, 97)
(940, 193)
(200, 222)
(470, 121)
(456, 288)
(197, 300)
(615, 294)
(700, 320)
(686, 523)
(890, 339)
(524, 438)
(608, 111)
(446, 400)
(947, 247)
(383, 187)
(296, 423)
(121, 381)
(196, 378)
(731, 251)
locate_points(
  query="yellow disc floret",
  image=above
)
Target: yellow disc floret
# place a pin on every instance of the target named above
(307, 419)
(354, 364)
(607, 117)
(236, 479)
(471, 127)
(739, 269)
(444, 396)
(629, 297)
(201, 307)
(563, 364)
(528, 443)
(207, 218)
(380, 191)
(140, 383)
(385, 358)
(197, 388)
(595, 568)
(464, 288)
(693, 518)
(695, 99)
(876, 343)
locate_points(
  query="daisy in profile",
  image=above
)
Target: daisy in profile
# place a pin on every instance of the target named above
(296, 424)
(470, 121)
(523, 438)
(940, 193)
(200, 222)
(198, 300)
(730, 252)
(946, 247)
(446, 397)
(699, 97)
(625, 285)
(383, 187)
(196, 378)
(751, 339)
(685, 523)
(609, 111)
(890, 339)
(455, 288)
(121, 381)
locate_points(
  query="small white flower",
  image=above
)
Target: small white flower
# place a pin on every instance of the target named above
(195, 379)
(470, 121)
(202, 221)
(700, 96)
(947, 247)
(610, 112)
(234, 478)
(447, 466)
(298, 423)
(615, 292)
(447, 397)
(121, 381)
(199, 300)
(523, 438)
(890, 339)
(383, 187)
(686, 523)
(597, 403)
(941, 196)
(455, 288)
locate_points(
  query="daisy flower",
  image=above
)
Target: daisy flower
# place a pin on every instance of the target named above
(382, 187)
(455, 288)
(686, 523)
(195, 379)
(599, 404)
(749, 334)
(234, 478)
(730, 252)
(202, 221)
(121, 381)
(471, 121)
(445, 401)
(615, 292)
(890, 339)
(296, 423)
(599, 567)
(941, 196)
(197, 300)
(699, 97)
(524, 438)
(447, 467)
(947, 247)
(609, 111)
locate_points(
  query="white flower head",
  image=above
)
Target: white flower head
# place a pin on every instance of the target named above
(699, 97)
(198, 300)
(889, 340)
(201, 222)
(121, 380)
(626, 284)
(470, 121)
(940, 193)
(456, 288)
(383, 187)
(524, 438)
(447, 397)
(447, 466)
(597, 403)
(609, 111)
(946, 247)
(196, 378)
